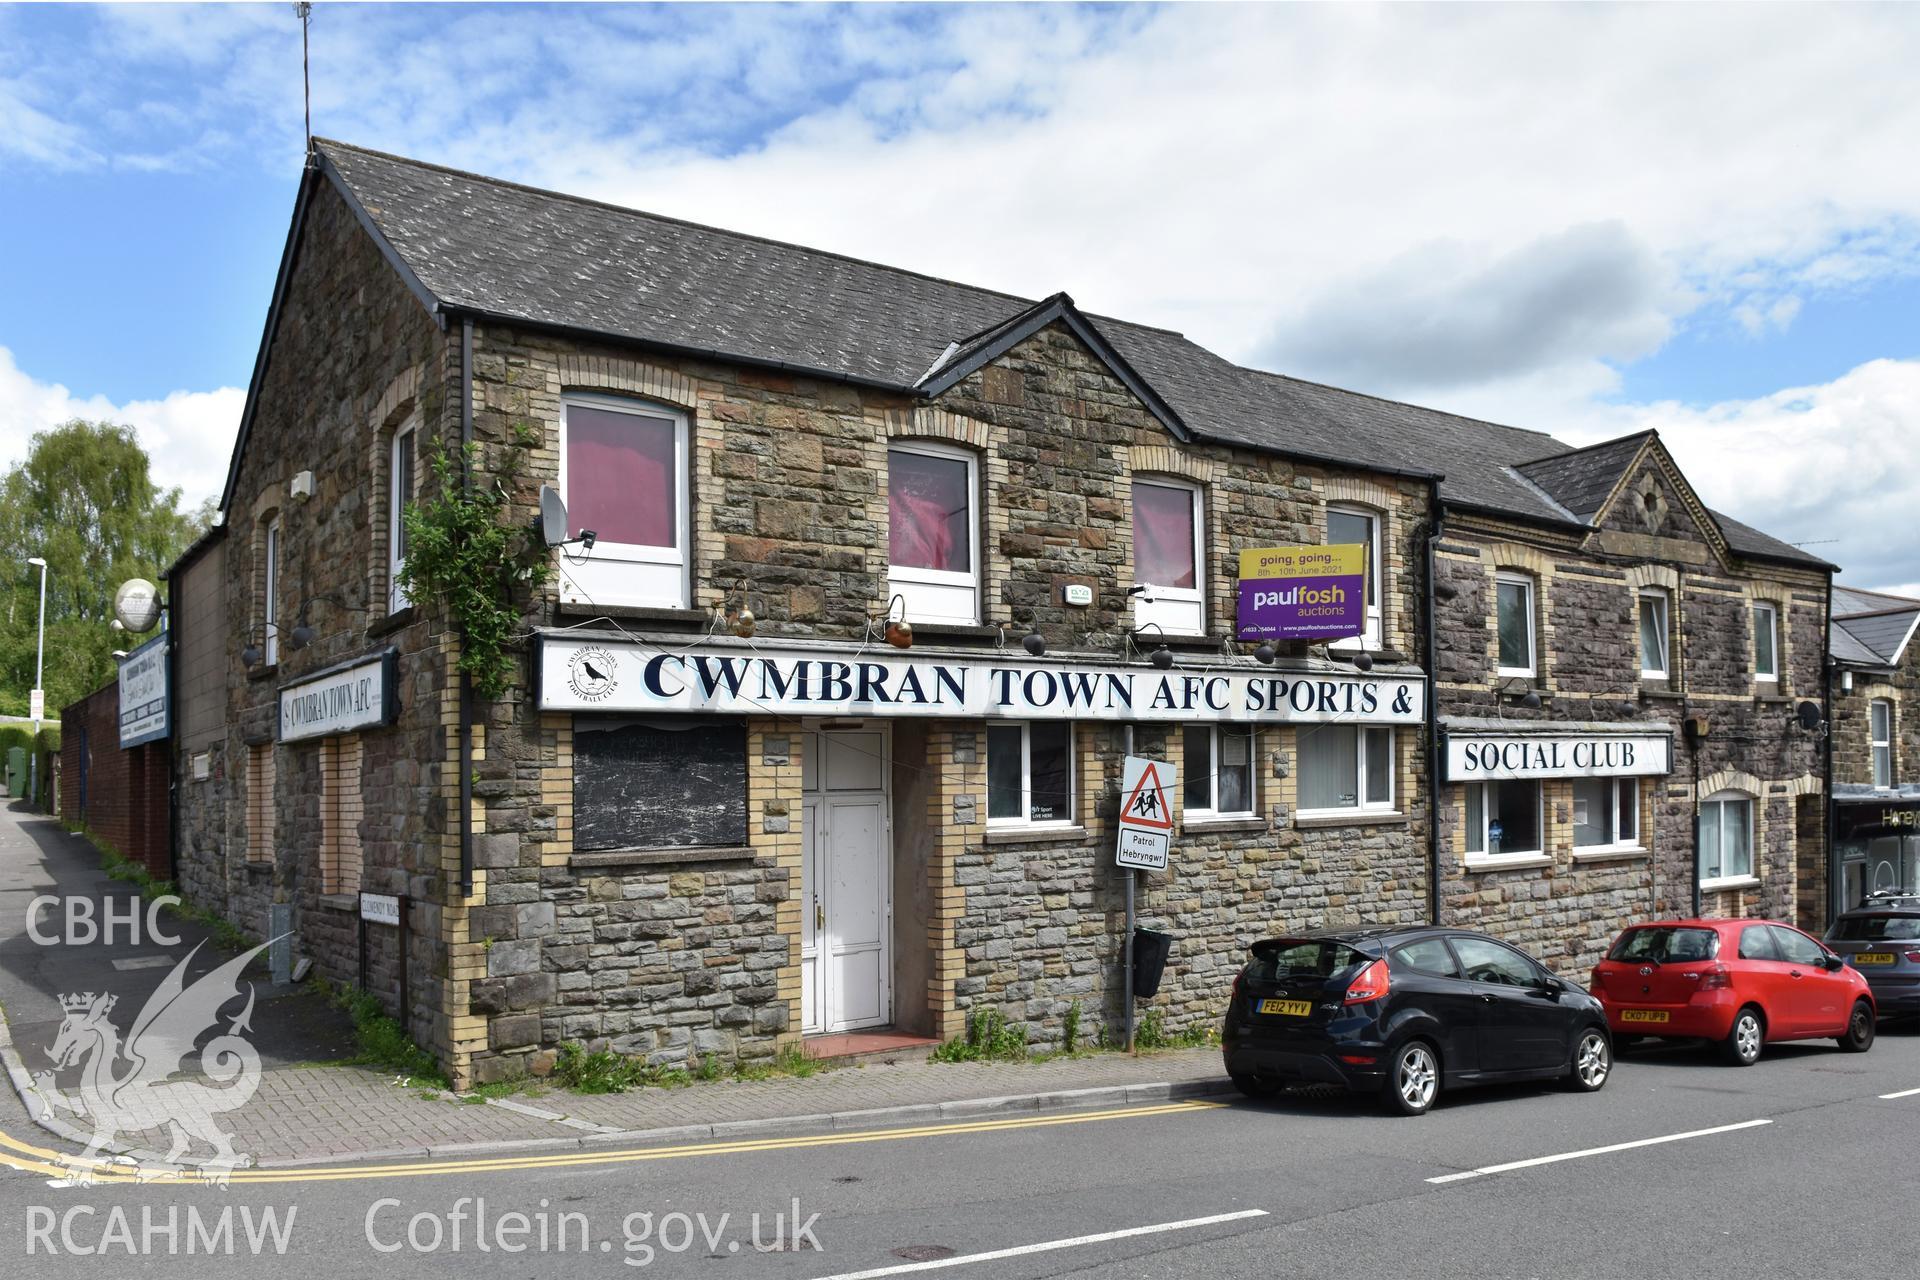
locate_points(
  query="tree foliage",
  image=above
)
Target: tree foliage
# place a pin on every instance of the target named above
(83, 499)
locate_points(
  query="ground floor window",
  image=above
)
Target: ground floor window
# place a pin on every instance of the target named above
(1606, 811)
(1726, 837)
(1030, 773)
(342, 806)
(1345, 767)
(659, 785)
(260, 803)
(1217, 771)
(1504, 820)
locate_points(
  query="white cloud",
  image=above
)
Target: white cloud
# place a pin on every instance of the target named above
(187, 434)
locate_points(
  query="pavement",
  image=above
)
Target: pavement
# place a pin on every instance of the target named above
(310, 1107)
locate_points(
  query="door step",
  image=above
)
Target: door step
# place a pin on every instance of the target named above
(867, 1046)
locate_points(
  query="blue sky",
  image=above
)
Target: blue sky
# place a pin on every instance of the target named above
(1584, 220)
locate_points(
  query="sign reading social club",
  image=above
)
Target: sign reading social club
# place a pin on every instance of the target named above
(581, 673)
(1303, 593)
(1497, 757)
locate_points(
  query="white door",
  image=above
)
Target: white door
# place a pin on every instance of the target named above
(846, 962)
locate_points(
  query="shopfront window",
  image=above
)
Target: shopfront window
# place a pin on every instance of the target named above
(1606, 812)
(1030, 774)
(933, 532)
(1344, 768)
(1726, 838)
(1503, 820)
(1217, 771)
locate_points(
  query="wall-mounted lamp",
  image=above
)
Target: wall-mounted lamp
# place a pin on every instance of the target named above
(894, 628)
(1161, 657)
(303, 632)
(1035, 643)
(1521, 688)
(1264, 652)
(1363, 661)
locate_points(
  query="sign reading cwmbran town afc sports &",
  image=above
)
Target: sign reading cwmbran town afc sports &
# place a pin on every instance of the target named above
(584, 673)
(1493, 757)
(1303, 593)
(1146, 813)
(352, 695)
(143, 693)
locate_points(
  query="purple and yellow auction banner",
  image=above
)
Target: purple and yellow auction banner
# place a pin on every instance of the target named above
(1303, 593)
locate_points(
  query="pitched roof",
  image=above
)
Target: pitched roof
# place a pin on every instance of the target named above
(1847, 647)
(499, 250)
(1581, 480)
(1852, 600)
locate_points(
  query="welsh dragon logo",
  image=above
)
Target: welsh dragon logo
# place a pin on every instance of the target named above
(129, 1086)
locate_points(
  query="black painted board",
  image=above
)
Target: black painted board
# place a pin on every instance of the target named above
(648, 786)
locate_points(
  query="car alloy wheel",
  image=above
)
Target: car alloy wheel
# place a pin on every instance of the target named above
(1591, 1061)
(1416, 1078)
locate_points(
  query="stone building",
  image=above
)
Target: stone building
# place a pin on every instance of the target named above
(821, 730)
(1876, 746)
(1618, 682)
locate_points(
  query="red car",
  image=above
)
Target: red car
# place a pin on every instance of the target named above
(1739, 983)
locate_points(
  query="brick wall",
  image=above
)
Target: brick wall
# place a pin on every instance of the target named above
(119, 796)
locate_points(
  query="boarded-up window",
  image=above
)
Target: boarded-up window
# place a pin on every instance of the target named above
(341, 808)
(260, 803)
(659, 785)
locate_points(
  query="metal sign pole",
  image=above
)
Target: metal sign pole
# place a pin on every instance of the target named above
(361, 923)
(404, 1002)
(1127, 958)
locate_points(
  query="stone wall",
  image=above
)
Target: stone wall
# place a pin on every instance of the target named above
(1853, 728)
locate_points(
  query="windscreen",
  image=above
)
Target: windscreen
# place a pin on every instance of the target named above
(1292, 958)
(1877, 928)
(1660, 944)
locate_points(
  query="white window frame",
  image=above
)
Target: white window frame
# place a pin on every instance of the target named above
(396, 507)
(1614, 787)
(1772, 612)
(1371, 638)
(1880, 748)
(270, 606)
(1480, 857)
(936, 595)
(1024, 822)
(1719, 801)
(620, 573)
(1663, 608)
(1215, 734)
(1532, 587)
(1175, 611)
(1360, 777)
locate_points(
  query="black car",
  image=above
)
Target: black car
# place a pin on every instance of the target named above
(1881, 938)
(1405, 1011)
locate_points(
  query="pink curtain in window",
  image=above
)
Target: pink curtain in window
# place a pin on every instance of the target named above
(1163, 535)
(928, 511)
(620, 477)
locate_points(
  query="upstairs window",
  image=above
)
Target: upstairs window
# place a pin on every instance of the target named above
(1514, 598)
(1726, 838)
(1169, 522)
(933, 532)
(1217, 771)
(1880, 714)
(1653, 635)
(399, 498)
(270, 603)
(623, 473)
(1766, 644)
(1345, 527)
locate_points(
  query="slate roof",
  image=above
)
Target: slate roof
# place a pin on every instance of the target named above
(1871, 628)
(1581, 480)
(1847, 647)
(496, 249)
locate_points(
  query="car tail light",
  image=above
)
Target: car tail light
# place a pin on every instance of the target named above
(1599, 979)
(1370, 984)
(1239, 985)
(1716, 978)
(1914, 956)
(1358, 1059)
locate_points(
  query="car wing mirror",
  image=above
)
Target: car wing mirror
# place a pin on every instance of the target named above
(1834, 962)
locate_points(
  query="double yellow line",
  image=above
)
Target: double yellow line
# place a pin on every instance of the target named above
(15, 1154)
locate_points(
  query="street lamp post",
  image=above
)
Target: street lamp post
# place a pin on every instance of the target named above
(39, 696)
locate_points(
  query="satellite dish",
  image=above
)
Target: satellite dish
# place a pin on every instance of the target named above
(553, 516)
(136, 605)
(1808, 713)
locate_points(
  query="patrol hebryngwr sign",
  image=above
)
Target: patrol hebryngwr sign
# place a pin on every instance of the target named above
(1146, 813)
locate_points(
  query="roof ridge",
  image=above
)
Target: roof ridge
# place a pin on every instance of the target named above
(1905, 602)
(1589, 448)
(1379, 399)
(1025, 303)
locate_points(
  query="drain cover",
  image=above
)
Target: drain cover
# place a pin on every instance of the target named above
(923, 1252)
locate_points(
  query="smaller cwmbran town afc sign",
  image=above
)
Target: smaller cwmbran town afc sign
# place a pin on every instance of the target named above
(580, 673)
(143, 693)
(1146, 814)
(357, 694)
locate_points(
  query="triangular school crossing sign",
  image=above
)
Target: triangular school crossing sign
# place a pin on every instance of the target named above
(1146, 804)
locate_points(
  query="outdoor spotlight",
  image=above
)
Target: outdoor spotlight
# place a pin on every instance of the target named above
(1264, 652)
(1161, 657)
(1362, 662)
(743, 623)
(1035, 643)
(250, 656)
(1532, 701)
(899, 633)
(301, 636)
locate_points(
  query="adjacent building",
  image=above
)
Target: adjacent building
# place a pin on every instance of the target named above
(1876, 744)
(869, 581)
